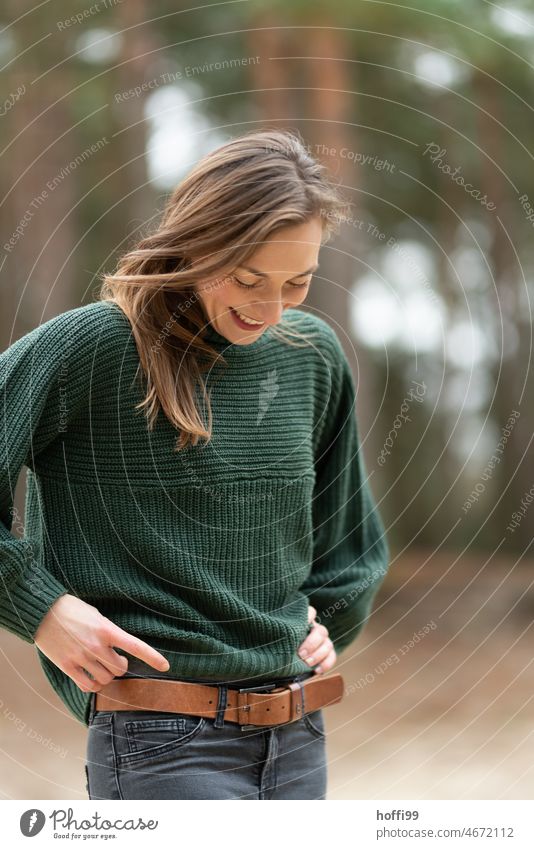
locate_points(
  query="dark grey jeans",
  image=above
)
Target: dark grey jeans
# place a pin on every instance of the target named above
(153, 755)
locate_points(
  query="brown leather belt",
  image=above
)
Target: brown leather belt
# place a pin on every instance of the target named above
(246, 706)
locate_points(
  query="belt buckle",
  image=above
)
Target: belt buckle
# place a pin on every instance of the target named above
(296, 703)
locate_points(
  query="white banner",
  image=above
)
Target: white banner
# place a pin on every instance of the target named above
(358, 824)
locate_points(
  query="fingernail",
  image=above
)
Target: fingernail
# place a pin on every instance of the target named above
(310, 660)
(318, 668)
(303, 653)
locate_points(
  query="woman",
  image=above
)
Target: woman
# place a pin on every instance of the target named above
(200, 541)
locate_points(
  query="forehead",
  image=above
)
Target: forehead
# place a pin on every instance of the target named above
(291, 249)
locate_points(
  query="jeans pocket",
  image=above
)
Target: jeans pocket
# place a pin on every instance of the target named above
(100, 766)
(151, 734)
(101, 717)
(314, 722)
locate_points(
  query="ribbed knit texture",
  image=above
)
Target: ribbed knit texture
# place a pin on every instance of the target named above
(212, 554)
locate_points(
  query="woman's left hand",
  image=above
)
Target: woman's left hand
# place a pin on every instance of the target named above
(317, 646)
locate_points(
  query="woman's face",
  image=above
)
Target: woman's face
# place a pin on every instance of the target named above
(275, 277)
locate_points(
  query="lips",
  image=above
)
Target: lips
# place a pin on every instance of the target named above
(244, 324)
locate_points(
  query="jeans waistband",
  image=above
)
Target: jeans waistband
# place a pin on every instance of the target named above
(233, 684)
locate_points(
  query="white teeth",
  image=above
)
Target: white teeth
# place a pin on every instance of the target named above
(248, 320)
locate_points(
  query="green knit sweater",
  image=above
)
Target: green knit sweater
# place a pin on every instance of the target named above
(212, 554)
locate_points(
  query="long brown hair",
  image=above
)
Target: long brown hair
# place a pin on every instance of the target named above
(234, 198)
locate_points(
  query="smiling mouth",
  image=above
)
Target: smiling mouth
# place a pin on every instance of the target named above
(247, 320)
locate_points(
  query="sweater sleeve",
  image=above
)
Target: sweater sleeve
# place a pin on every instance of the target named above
(39, 391)
(350, 551)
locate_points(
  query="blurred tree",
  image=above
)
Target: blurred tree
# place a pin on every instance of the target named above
(364, 83)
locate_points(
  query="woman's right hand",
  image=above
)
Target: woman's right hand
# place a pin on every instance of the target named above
(75, 636)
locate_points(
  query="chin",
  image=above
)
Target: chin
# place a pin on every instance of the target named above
(249, 341)
(245, 339)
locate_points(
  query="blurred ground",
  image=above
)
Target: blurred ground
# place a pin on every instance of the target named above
(448, 716)
(452, 718)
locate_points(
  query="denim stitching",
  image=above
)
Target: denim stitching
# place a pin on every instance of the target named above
(132, 727)
(131, 758)
(269, 772)
(87, 788)
(314, 728)
(115, 765)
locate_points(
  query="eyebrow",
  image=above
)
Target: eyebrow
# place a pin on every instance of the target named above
(263, 274)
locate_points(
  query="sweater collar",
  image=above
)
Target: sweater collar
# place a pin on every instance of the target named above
(225, 347)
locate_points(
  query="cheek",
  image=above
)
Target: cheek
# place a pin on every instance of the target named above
(218, 293)
(299, 295)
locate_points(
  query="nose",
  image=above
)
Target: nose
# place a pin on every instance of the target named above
(270, 312)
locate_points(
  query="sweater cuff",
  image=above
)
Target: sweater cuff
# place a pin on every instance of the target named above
(347, 634)
(28, 599)
(344, 629)
(343, 620)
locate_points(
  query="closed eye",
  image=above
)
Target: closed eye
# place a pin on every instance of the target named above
(253, 285)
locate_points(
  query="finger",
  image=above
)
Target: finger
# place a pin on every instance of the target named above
(316, 636)
(116, 663)
(82, 679)
(100, 673)
(320, 652)
(312, 613)
(327, 663)
(138, 648)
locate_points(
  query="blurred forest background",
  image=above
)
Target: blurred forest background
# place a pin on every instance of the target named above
(423, 112)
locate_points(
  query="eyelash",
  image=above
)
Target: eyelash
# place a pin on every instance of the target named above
(253, 285)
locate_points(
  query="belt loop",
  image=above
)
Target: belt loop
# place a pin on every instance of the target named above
(221, 705)
(303, 705)
(92, 700)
